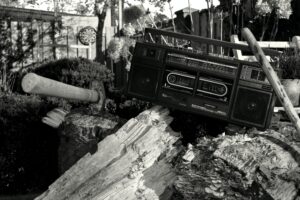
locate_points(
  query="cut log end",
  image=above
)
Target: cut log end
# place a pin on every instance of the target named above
(29, 82)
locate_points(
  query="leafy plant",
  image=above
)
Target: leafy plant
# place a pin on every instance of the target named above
(9, 56)
(79, 72)
(289, 64)
(279, 9)
(28, 147)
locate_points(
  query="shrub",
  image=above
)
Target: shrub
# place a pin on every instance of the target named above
(28, 160)
(289, 64)
(78, 72)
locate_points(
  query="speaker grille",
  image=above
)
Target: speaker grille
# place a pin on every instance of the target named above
(251, 106)
(143, 81)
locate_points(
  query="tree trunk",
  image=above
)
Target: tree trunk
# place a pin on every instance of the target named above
(191, 17)
(133, 163)
(172, 16)
(274, 29)
(264, 28)
(100, 57)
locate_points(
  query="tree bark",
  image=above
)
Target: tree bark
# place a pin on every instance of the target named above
(258, 165)
(133, 163)
(100, 57)
(79, 134)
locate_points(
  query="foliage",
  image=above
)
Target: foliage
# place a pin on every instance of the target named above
(278, 9)
(282, 8)
(133, 13)
(79, 72)
(12, 56)
(120, 48)
(289, 64)
(9, 3)
(28, 160)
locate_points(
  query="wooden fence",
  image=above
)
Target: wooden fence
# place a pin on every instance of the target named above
(54, 35)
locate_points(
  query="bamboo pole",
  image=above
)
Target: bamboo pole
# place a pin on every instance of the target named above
(272, 78)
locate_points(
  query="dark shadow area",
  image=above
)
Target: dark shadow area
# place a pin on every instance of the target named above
(28, 148)
(194, 126)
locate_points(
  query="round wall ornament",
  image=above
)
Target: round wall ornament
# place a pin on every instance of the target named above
(87, 35)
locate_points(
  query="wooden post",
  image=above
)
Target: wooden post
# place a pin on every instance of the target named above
(33, 83)
(272, 78)
(296, 43)
(120, 10)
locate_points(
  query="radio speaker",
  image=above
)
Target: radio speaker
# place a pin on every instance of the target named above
(143, 81)
(252, 107)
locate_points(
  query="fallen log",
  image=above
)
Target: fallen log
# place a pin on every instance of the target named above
(133, 163)
(261, 166)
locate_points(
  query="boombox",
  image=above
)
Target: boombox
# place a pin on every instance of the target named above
(225, 88)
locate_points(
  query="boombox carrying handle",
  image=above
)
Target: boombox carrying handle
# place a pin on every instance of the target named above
(152, 32)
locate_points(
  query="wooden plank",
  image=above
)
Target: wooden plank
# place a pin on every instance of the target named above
(67, 38)
(78, 46)
(236, 52)
(21, 14)
(272, 78)
(278, 109)
(52, 36)
(72, 41)
(42, 40)
(272, 44)
(296, 42)
(205, 40)
(27, 38)
(46, 33)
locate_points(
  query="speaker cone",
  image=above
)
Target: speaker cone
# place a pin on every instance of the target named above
(251, 106)
(144, 81)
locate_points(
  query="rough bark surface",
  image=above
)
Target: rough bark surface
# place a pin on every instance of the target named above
(133, 163)
(260, 165)
(80, 133)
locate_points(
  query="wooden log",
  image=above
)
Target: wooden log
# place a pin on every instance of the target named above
(272, 78)
(80, 133)
(33, 83)
(258, 166)
(133, 163)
